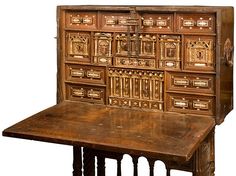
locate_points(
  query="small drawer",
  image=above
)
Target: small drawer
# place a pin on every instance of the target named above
(186, 82)
(204, 105)
(78, 92)
(157, 22)
(126, 62)
(78, 46)
(169, 64)
(136, 104)
(115, 21)
(81, 20)
(169, 51)
(102, 48)
(199, 53)
(86, 73)
(196, 23)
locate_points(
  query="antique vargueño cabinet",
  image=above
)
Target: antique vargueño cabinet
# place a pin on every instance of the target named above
(144, 80)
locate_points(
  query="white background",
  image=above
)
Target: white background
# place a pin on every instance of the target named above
(28, 85)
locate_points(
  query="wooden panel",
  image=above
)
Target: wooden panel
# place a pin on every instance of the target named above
(199, 53)
(184, 103)
(205, 157)
(157, 22)
(136, 88)
(169, 51)
(86, 73)
(192, 23)
(192, 83)
(81, 20)
(79, 92)
(78, 46)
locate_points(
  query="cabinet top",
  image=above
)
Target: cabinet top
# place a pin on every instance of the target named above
(146, 8)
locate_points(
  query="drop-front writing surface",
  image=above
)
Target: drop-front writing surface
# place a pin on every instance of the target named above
(168, 59)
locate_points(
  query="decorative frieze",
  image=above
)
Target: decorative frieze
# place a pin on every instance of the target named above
(135, 63)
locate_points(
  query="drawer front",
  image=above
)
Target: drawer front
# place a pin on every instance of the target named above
(157, 22)
(192, 104)
(169, 51)
(199, 53)
(78, 46)
(143, 45)
(77, 92)
(198, 23)
(115, 21)
(103, 48)
(136, 104)
(86, 73)
(81, 20)
(187, 82)
(135, 63)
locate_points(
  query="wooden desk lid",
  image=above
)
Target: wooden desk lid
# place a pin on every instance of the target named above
(161, 135)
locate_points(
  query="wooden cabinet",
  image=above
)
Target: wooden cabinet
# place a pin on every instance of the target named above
(169, 70)
(168, 59)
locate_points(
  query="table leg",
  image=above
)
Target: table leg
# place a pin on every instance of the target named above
(119, 166)
(100, 166)
(135, 163)
(167, 171)
(77, 162)
(204, 158)
(89, 162)
(151, 166)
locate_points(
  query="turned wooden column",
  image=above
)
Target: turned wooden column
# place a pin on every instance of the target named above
(77, 162)
(167, 171)
(135, 163)
(151, 166)
(119, 165)
(89, 162)
(100, 165)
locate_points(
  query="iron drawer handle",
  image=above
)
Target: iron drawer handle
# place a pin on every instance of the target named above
(228, 52)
